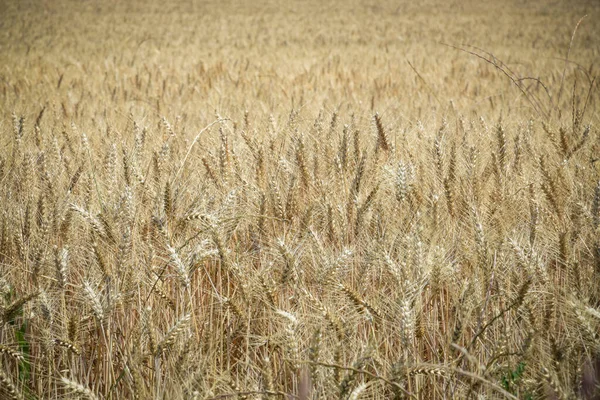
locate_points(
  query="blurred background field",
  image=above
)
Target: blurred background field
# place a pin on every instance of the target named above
(192, 58)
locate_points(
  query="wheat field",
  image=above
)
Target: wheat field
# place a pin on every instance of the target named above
(299, 200)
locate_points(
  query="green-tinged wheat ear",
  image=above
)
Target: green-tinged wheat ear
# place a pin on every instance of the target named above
(79, 389)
